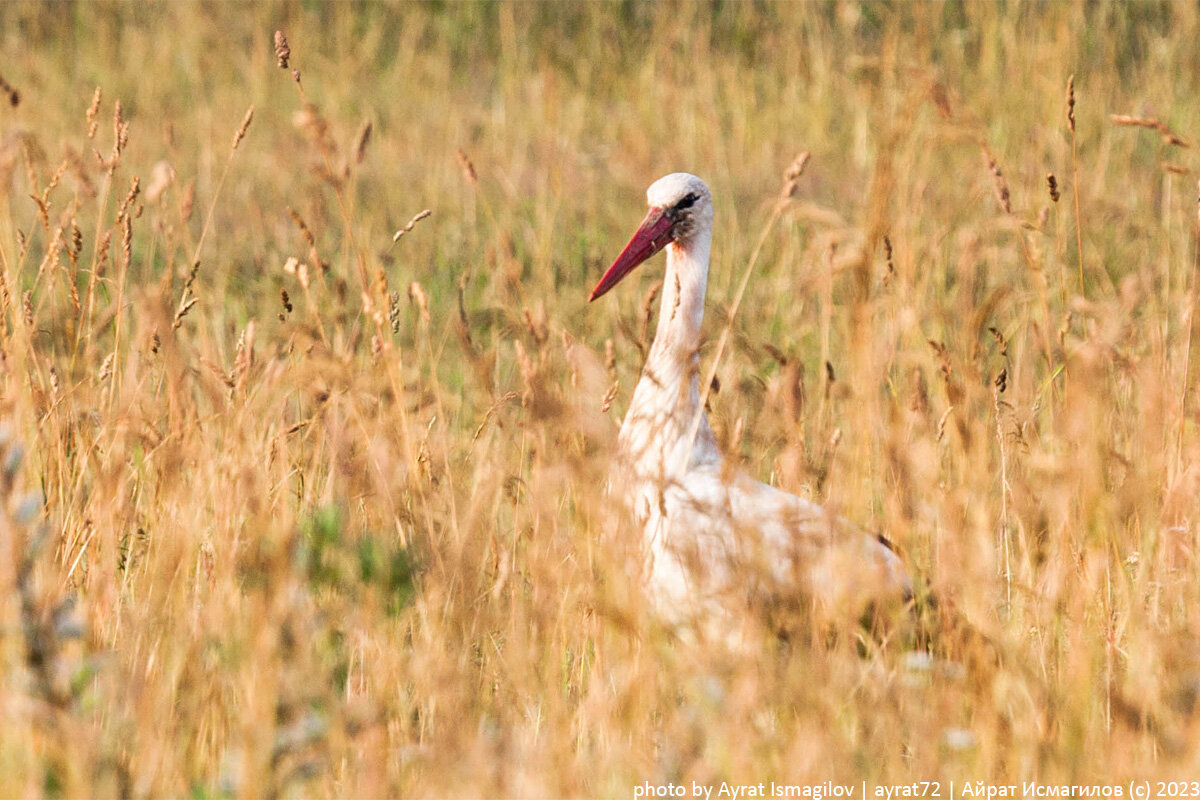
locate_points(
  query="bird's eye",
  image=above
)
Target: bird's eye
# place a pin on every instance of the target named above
(687, 202)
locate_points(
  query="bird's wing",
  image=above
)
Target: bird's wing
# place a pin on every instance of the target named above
(801, 539)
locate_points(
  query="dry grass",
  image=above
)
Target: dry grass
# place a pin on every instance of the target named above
(337, 528)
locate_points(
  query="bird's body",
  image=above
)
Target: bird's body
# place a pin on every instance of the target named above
(712, 531)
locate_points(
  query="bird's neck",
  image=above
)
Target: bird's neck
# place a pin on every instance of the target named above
(665, 431)
(677, 342)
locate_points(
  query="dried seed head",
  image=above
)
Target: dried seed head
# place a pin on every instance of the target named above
(285, 300)
(381, 284)
(282, 51)
(468, 168)
(120, 130)
(792, 174)
(304, 229)
(189, 201)
(775, 353)
(1052, 184)
(244, 358)
(394, 311)
(1071, 103)
(422, 215)
(191, 278)
(361, 141)
(1169, 136)
(14, 97)
(135, 187)
(607, 401)
(184, 308)
(92, 111)
(1001, 381)
(536, 325)
(102, 253)
(1000, 340)
(1001, 185)
(943, 358)
(941, 426)
(312, 122)
(416, 293)
(106, 368)
(127, 241)
(891, 265)
(241, 131)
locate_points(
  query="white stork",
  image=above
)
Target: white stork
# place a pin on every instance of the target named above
(711, 531)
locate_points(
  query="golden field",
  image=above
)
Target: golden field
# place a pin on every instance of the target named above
(296, 508)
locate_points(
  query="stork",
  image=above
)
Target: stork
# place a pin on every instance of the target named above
(711, 531)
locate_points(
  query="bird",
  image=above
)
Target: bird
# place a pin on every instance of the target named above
(712, 534)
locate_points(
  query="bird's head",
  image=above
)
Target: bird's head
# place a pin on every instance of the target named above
(680, 210)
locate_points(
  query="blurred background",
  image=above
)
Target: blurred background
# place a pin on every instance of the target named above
(295, 507)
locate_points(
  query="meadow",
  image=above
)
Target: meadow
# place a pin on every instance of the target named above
(303, 487)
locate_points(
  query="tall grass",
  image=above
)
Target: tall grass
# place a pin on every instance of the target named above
(294, 506)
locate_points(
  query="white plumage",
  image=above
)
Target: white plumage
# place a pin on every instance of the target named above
(712, 533)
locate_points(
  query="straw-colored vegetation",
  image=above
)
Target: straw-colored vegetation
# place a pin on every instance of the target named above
(297, 508)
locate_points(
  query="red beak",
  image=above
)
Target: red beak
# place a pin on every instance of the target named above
(651, 236)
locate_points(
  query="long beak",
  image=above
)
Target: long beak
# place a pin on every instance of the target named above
(651, 236)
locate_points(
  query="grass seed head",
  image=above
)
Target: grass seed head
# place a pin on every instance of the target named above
(92, 111)
(1052, 185)
(468, 167)
(416, 293)
(102, 252)
(241, 131)
(304, 229)
(1002, 195)
(609, 396)
(408, 227)
(1169, 136)
(189, 201)
(282, 51)
(120, 130)
(1071, 103)
(792, 175)
(891, 265)
(106, 368)
(361, 141)
(14, 97)
(182, 312)
(135, 187)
